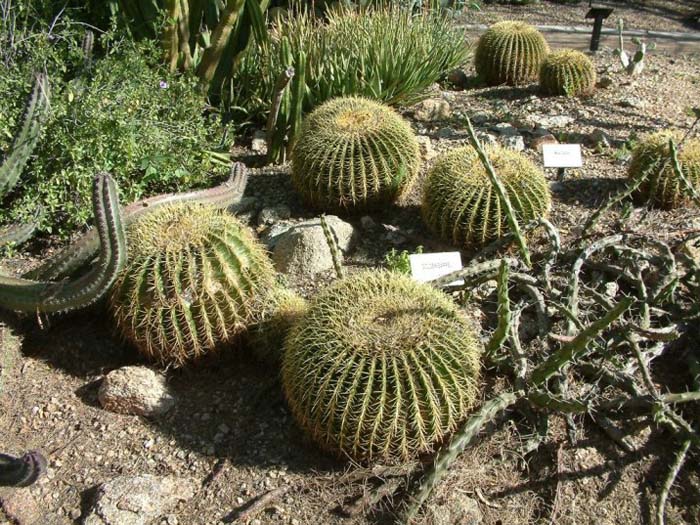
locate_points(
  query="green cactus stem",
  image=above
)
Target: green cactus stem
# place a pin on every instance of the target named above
(67, 261)
(17, 234)
(26, 140)
(510, 53)
(567, 72)
(24, 295)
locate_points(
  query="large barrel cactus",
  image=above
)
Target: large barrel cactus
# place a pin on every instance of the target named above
(196, 279)
(651, 159)
(353, 154)
(567, 72)
(381, 368)
(510, 53)
(461, 205)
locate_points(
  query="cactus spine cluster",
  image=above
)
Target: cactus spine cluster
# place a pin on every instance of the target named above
(461, 205)
(661, 186)
(26, 140)
(53, 297)
(381, 368)
(353, 154)
(195, 280)
(510, 53)
(567, 72)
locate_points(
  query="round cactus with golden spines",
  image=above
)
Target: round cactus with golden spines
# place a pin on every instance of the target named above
(381, 367)
(651, 159)
(461, 205)
(353, 154)
(567, 72)
(195, 280)
(510, 53)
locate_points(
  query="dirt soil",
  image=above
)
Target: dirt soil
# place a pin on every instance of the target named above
(231, 431)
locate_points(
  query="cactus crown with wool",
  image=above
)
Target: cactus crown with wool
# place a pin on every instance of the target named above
(195, 280)
(510, 53)
(652, 158)
(353, 154)
(568, 73)
(461, 205)
(381, 368)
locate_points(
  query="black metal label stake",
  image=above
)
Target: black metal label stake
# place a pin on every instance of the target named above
(598, 14)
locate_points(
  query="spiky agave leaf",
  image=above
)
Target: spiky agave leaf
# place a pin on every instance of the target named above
(510, 53)
(381, 367)
(353, 154)
(461, 205)
(567, 72)
(651, 158)
(195, 280)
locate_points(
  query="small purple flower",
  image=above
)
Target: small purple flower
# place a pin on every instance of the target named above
(163, 84)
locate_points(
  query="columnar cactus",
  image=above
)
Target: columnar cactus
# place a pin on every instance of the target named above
(510, 53)
(381, 367)
(352, 154)
(651, 159)
(461, 205)
(195, 280)
(567, 72)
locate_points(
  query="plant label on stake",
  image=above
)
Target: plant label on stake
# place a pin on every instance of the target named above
(428, 266)
(562, 156)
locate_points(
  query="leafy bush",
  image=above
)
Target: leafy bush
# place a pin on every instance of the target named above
(384, 54)
(127, 116)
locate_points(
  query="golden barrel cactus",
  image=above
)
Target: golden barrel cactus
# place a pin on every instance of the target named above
(568, 72)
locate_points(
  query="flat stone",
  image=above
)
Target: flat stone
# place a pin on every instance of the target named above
(516, 143)
(550, 121)
(273, 214)
(137, 500)
(633, 102)
(431, 110)
(135, 390)
(505, 129)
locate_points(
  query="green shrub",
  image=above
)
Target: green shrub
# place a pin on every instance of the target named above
(461, 205)
(381, 368)
(382, 54)
(651, 157)
(567, 72)
(196, 279)
(510, 53)
(354, 154)
(128, 117)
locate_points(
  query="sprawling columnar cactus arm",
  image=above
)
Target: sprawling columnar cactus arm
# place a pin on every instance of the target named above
(19, 233)
(84, 249)
(28, 136)
(52, 297)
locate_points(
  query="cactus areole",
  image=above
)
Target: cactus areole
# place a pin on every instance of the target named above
(380, 367)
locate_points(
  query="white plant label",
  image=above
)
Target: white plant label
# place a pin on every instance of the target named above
(428, 266)
(562, 155)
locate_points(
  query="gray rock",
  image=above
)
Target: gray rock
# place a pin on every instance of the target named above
(550, 121)
(633, 102)
(600, 138)
(458, 509)
(259, 144)
(432, 109)
(480, 118)
(516, 143)
(367, 222)
(486, 139)
(605, 82)
(135, 390)
(446, 133)
(272, 215)
(505, 129)
(427, 151)
(458, 78)
(540, 141)
(137, 500)
(302, 250)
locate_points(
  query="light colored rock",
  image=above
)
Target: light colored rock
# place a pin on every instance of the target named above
(427, 152)
(446, 133)
(259, 144)
(432, 109)
(135, 390)
(137, 500)
(599, 138)
(549, 121)
(302, 250)
(505, 129)
(516, 143)
(605, 82)
(486, 139)
(480, 118)
(458, 509)
(633, 102)
(274, 214)
(540, 141)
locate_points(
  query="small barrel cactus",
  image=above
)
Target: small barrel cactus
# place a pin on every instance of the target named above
(651, 158)
(510, 53)
(567, 72)
(461, 205)
(195, 280)
(353, 154)
(381, 367)
(282, 308)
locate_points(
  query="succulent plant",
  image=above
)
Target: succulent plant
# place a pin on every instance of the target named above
(461, 205)
(195, 280)
(510, 53)
(567, 72)
(352, 154)
(381, 367)
(282, 308)
(25, 295)
(651, 159)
